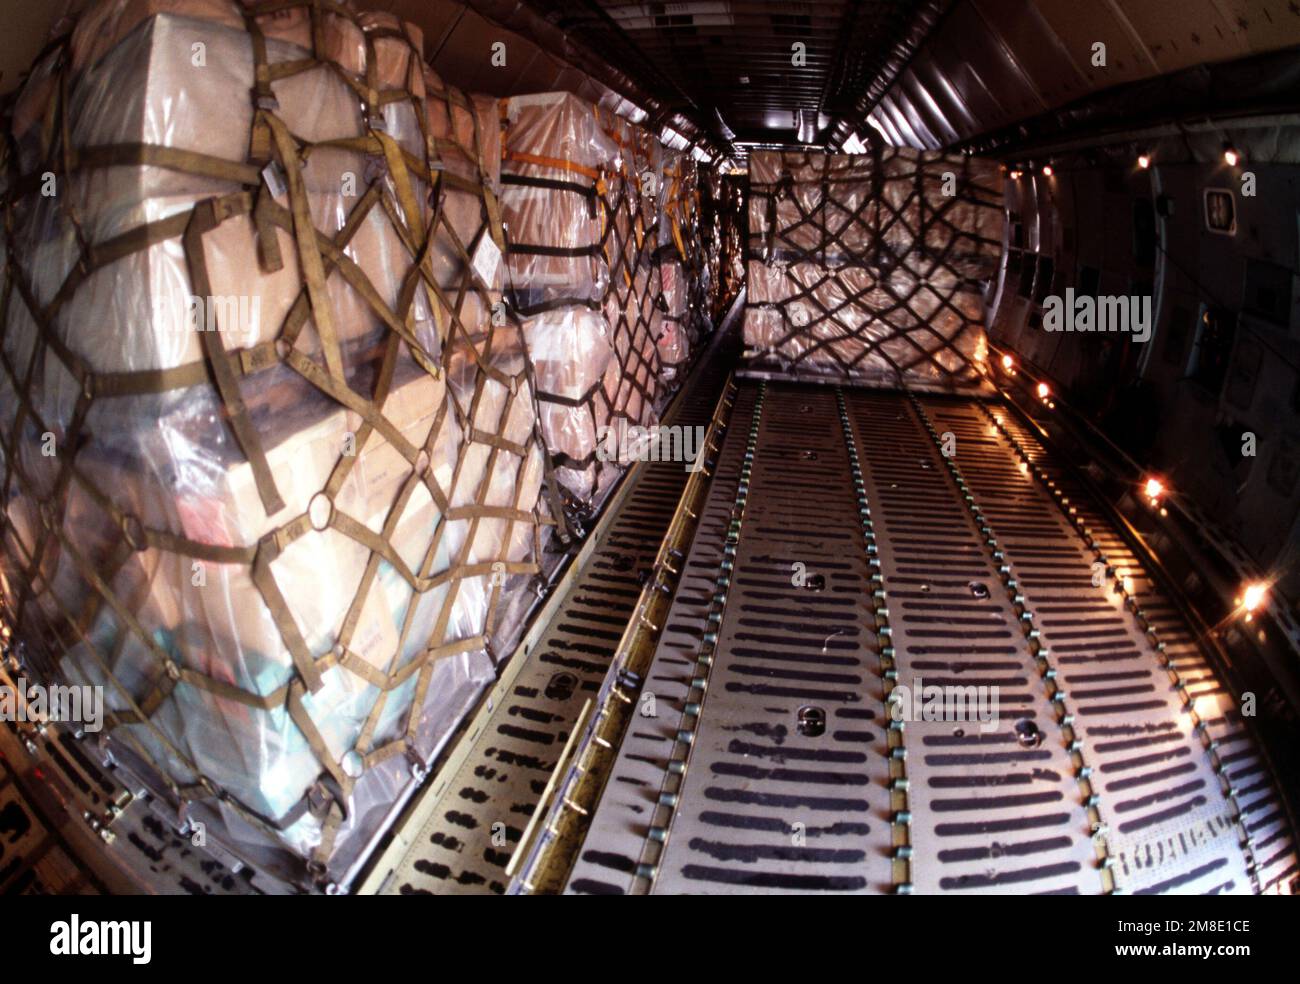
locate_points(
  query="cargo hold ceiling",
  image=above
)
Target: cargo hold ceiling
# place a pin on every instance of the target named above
(730, 64)
(721, 74)
(996, 73)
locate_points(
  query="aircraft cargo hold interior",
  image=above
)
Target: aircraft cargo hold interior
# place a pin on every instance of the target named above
(596, 448)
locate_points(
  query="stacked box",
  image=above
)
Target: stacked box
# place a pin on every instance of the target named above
(676, 327)
(872, 265)
(670, 325)
(581, 230)
(269, 457)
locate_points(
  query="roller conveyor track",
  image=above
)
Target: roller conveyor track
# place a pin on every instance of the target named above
(1116, 761)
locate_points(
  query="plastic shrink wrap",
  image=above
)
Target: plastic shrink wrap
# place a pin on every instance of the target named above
(673, 325)
(636, 386)
(578, 227)
(670, 322)
(872, 265)
(270, 472)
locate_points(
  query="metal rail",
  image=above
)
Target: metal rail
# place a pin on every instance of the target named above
(546, 861)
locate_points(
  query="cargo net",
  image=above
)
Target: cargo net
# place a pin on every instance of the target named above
(682, 303)
(579, 200)
(268, 442)
(872, 266)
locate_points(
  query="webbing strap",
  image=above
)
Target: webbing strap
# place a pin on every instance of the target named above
(309, 259)
(203, 220)
(556, 304)
(145, 155)
(523, 249)
(550, 184)
(557, 163)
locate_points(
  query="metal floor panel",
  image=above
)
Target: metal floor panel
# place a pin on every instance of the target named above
(1153, 779)
(764, 806)
(629, 800)
(1117, 761)
(1142, 769)
(994, 806)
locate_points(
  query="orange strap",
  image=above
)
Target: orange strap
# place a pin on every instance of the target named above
(554, 162)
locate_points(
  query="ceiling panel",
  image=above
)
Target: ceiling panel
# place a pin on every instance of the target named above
(728, 63)
(1080, 25)
(1011, 61)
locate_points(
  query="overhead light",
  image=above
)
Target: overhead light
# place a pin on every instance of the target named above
(805, 125)
(853, 144)
(1154, 489)
(1044, 391)
(1008, 363)
(1230, 155)
(1253, 598)
(1015, 174)
(1144, 161)
(726, 131)
(1047, 170)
